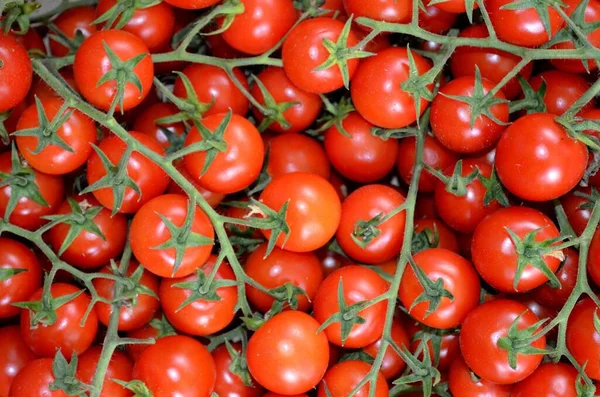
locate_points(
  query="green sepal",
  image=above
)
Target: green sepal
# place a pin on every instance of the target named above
(239, 365)
(425, 239)
(44, 311)
(65, 376)
(273, 111)
(493, 189)
(519, 341)
(17, 12)
(138, 387)
(123, 10)
(533, 100)
(433, 291)
(203, 288)
(334, 116)
(420, 371)
(8, 272)
(416, 85)
(190, 107)
(270, 220)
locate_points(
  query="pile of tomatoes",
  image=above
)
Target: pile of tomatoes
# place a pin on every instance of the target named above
(248, 198)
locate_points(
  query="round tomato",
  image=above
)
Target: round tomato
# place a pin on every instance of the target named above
(120, 367)
(342, 378)
(16, 72)
(537, 160)
(392, 364)
(34, 379)
(381, 10)
(578, 207)
(583, 338)
(164, 134)
(157, 328)
(562, 90)
(229, 384)
(567, 275)
(76, 19)
(14, 355)
(149, 231)
(297, 153)
(286, 354)
(435, 20)
(437, 234)
(551, 379)
(192, 4)
(462, 383)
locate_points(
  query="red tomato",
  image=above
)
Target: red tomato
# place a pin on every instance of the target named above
(119, 367)
(342, 378)
(287, 355)
(34, 379)
(228, 383)
(212, 198)
(192, 4)
(593, 263)
(455, 6)
(551, 379)
(567, 275)
(149, 231)
(537, 160)
(297, 153)
(92, 62)
(435, 20)
(364, 204)
(157, 328)
(562, 90)
(449, 349)
(313, 212)
(67, 332)
(445, 236)
(377, 89)
(31, 40)
(16, 72)
(392, 364)
(331, 261)
(14, 355)
(376, 44)
(578, 208)
(149, 177)
(381, 10)
(73, 20)
(233, 169)
(359, 284)
(425, 207)
(583, 338)
(145, 122)
(177, 366)
(463, 384)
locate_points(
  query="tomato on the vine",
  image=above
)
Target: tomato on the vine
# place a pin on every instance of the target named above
(229, 383)
(164, 134)
(34, 379)
(392, 364)
(342, 378)
(562, 90)
(437, 234)
(16, 72)
(583, 337)
(381, 10)
(297, 153)
(462, 383)
(120, 368)
(70, 23)
(14, 355)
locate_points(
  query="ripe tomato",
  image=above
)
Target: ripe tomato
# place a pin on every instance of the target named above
(593, 263)
(149, 231)
(303, 270)
(537, 160)
(287, 355)
(359, 284)
(392, 364)
(434, 155)
(449, 349)
(445, 238)
(297, 153)
(148, 176)
(92, 62)
(157, 328)
(213, 85)
(73, 20)
(262, 24)
(14, 355)
(582, 337)
(120, 367)
(377, 89)
(364, 204)
(493, 64)
(177, 366)
(43, 91)
(303, 51)
(567, 275)
(435, 20)
(145, 122)
(16, 72)
(480, 334)
(463, 384)
(212, 198)
(203, 316)
(233, 169)
(342, 378)
(26, 279)
(382, 10)
(361, 156)
(313, 212)
(34, 379)
(577, 208)
(562, 90)
(301, 115)
(67, 332)
(455, 6)
(192, 4)
(549, 379)
(229, 384)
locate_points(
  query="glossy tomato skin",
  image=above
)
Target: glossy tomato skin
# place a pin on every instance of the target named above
(14, 355)
(145, 122)
(192, 4)
(582, 337)
(494, 254)
(148, 231)
(301, 115)
(34, 379)
(91, 63)
(120, 367)
(18, 287)
(150, 178)
(278, 268)
(567, 275)
(537, 160)
(342, 378)
(303, 52)
(297, 153)
(212, 83)
(562, 90)
(16, 73)
(446, 238)
(73, 20)
(186, 367)
(593, 263)
(202, 316)
(286, 354)
(66, 333)
(237, 167)
(359, 284)
(313, 213)
(577, 208)
(151, 330)
(482, 329)
(392, 364)
(376, 88)
(492, 64)
(462, 384)
(364, 204)
(381, 10)
(228, 383)
(360, 157)
(436, 20)
(551, 379)
(262, 24)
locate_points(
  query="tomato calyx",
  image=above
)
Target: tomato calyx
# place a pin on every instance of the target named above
(124, 11)
(230, 9)
(203, 288)
(456, 184)
(65, 376)
(533, 100)
(191, 108)
(239, 364)
(583, 384)
(540, 6)
(138, 387)
(132, 287)
(494, 191)
(72, 44)
(273, 111)
(163, 327)
(8, 272)
(4, 116)
(18, 12)
(264, 178)
(285, 295)
(359, 355)
(590, 198)
(365, 231)
(416, 85)
(579, 129)
(425, 239)
(334, 115)
(519, 341)
(420, 371)
(433, 291)
(268, 219)
(311, 7)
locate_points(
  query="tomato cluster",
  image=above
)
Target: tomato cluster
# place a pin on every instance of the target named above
(300, 198)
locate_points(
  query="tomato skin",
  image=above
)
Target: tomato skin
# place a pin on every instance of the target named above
(69, 22)
(359, 284)
(134, 351)
(462, 384)
(212, 83)
(567, 275)
(34, 379)
(91, 63)
(392, 364)
(14, 355)
(343, 377)
(19, 287)
(381, 10)
(493, 64)
(301, 115)
(577, 214)
(120, 367)
(201, 317)
(148, 231)
(447, 237)
(150, 178)
(494, 253)
(66, 333)
(280, 267)
(237, 167)
(297, 153)
(537, 160)
(186, 367)
(145, 122)
(286, 355)
(364, 204)
(212, 198)
(562, 90)
(303, 51)
(192, 4)
(229, 384)
(551, 379)
(361, 157)
(371, 93)
(435, 20)
(16, 73)
(582, 337)
(593, 263)
(313, 213)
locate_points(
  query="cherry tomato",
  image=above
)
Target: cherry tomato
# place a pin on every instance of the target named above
(16, 72)
(34, 379)
(297, 153)
(562, 90)
(425, 207)
(212, 198)
(381, 10)
(192, 4)
(438, 235)
(449, 349)
(342, 378)
(463, 384)
(76, 19)
(330, 260)
(14, 355)
(567, 275)
(392, 364)
(164, 134)
(551, 379)
(119, 367)
(157, 328)
(578, 208)
(583, 338)
(435, 20)
(229, 384)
